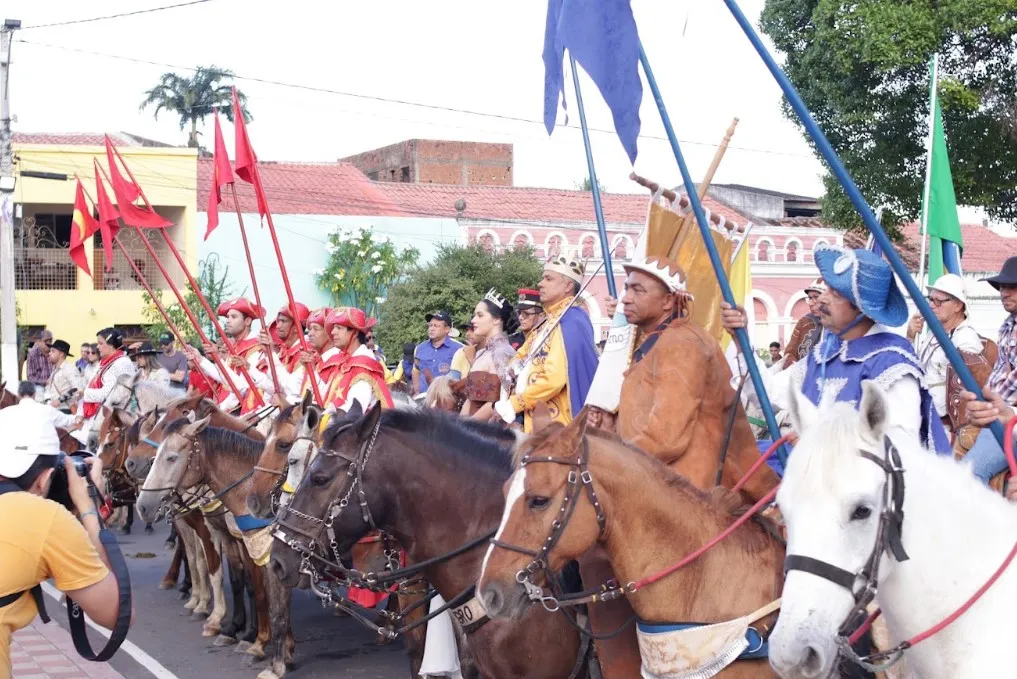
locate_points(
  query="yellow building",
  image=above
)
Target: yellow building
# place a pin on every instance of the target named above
(51, 291)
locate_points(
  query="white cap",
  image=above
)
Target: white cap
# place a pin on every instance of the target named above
(818, 285)
(664, 270)
(25, 434)
(953, 285)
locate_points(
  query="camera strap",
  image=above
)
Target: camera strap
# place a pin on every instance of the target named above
(76, 617)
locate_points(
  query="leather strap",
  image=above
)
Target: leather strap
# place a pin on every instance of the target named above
(839, 576)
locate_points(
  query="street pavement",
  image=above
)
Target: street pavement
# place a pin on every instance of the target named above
(327, 645)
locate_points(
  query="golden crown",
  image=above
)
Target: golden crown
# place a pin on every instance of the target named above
(569, 265)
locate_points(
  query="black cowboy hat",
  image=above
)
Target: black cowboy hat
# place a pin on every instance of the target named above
(146, 349)
(1006, 276)
(63, 346)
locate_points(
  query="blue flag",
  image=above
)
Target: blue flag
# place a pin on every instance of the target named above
(602, 36)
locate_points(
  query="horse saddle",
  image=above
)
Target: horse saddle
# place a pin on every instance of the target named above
(980, 366)
(483, 387)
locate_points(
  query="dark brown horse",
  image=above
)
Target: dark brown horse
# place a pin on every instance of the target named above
(433, 484)
(192, 454)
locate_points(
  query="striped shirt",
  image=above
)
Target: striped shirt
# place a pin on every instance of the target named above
(37, 367)
(1003, 379)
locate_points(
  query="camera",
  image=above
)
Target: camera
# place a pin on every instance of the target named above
(58, 489)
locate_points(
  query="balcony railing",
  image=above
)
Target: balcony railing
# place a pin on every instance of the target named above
(41, 260)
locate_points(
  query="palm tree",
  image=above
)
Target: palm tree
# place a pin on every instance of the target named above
(195, 98)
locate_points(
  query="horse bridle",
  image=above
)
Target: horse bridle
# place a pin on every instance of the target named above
(323, 526)
(863, 583)
(579, 478)
(277, 489)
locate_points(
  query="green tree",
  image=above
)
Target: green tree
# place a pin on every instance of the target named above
(195, 97)
(213, 281)
(361, 267)
(455, 281)
(587, 185)
(862, 68)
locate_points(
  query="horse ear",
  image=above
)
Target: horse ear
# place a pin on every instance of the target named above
(107, 412)
(191, 416)
(803, 413)
(125, 417)
(305, 403)
(196, 428)
(873, 410)
(367, 424)
(312, 416)
(355, 411)
(541, 416)
(576, 430)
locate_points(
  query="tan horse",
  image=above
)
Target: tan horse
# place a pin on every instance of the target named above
(652, 517)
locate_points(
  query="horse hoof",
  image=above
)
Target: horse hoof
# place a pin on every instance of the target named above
(210, 630)
(224, 640)
(191, 604)
(242, 647)
(256, 651)
(267, 673)
(166, 584)
(199, 614)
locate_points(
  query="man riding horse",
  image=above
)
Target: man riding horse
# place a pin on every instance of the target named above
(862, 302)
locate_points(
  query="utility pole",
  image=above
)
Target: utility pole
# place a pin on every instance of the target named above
(8, 313)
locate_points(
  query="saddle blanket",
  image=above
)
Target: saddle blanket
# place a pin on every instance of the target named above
(258, 541)
(695, 651)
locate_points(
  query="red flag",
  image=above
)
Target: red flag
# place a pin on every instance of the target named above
(121, 186)
(83, 226)
(246, 158)
(108, 216)
(221, 176)
(127, 192)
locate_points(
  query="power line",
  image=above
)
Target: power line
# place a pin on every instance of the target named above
(403, 102)
(115, 16)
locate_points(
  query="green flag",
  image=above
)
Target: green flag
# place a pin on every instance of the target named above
(939, 204)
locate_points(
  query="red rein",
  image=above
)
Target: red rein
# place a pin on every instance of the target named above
(948, 620)
(649, 580)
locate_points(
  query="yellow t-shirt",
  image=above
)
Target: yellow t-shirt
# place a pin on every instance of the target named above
(460, 363)
(39, 539)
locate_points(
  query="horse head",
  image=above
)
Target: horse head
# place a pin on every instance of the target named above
(832, 499)
(113, 434)
(547, 520)
(291, 439)
(175, 467)
(339, 470)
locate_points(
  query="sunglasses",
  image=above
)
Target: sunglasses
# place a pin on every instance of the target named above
(937, 301)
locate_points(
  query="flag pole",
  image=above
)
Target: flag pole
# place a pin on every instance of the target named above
(598, 208)
(923, 230)
(254, 286)
(838, 169)
(259, 188)
(194, 286)
(741, 334)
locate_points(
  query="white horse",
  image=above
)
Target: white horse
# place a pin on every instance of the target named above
(131, 393)
(955, 531)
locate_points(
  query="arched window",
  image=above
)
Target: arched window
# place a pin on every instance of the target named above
(554, 246)
(520, 241)
(588, 247)
(763, 251)
(792, 251)
(487, 242)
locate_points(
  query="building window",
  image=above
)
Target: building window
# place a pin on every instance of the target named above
(405, 177)
(554, 246)
(588, 247)
(40, 253)
(373, 176)
(763, 251)
(792, 252)
(520, 242)
(487, 242)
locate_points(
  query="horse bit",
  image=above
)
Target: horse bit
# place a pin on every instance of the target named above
(863, 584)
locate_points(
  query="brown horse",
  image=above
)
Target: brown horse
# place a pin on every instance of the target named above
(646, 518)
(245, 578)
(295, 436)
(193, 454)
(430, 481)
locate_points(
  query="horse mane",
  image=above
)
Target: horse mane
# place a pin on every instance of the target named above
(468, 441)
(134, 431)
(223, 440)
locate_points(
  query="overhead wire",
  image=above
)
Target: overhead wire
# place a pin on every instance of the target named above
(114, 16)
(402, 102)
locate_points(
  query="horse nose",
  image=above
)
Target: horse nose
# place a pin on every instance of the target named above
(130, 465)
(254, 505)
(493, 598)
(814, 663)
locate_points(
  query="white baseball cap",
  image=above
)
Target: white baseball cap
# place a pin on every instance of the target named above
(25, 434)
(953, 285)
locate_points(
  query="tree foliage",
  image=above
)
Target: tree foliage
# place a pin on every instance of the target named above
(587, 185)
(361, 266)
(195, 97)
(455, 281)
(862, 68)
(213, 281)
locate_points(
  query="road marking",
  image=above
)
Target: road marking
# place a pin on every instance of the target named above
(130, 648)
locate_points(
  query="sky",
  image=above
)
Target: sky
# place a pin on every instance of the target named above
(483, 57)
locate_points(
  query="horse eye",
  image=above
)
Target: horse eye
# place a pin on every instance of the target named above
(861, 513)
(292, 463)
(537, 502)
(285, 445)
(320, 480)
(173, 457)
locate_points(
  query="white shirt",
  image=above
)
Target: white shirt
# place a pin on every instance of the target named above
(292, 383)
(63, 379)
(121, 366)
(904, 393)
(935, 363)
(57, 418)
(261, 381)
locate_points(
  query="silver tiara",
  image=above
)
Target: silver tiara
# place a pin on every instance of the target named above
(496, 299)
